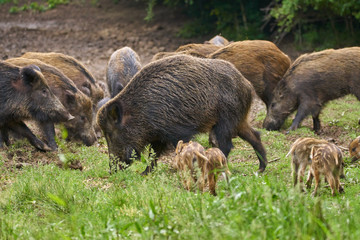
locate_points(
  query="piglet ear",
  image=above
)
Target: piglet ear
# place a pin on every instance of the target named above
(29, 75)
(179, 147)
(115, 112)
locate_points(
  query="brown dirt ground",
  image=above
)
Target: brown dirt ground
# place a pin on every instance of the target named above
(91, 33)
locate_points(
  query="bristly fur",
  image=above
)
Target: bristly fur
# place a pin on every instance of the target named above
(261, 62)
(77, 103)
(312, 81)
(123, 64)
(172, 99)
(354, 149)
(73, 69)
(326, 160)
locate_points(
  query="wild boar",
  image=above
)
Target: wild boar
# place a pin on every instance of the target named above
(354, 149)
(74, 70)
(215, 163)
(193, 49)
(198, 49)
(192, 168)
(75, 102)
(192, 160)
(123, 64)
(24, 94)
(313, 80)
(300, 152)
(261, 62)
(326, 159)
(174, 98)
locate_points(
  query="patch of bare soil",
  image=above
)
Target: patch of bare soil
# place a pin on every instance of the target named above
(91, 33)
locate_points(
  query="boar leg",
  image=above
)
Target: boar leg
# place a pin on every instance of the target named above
(48, 130)
(316, 123)
(222, 137)
(253, 137)
(317, 182)
(4, 137)
(309, 180)
(212, 182)
(21, 129)
(295, 169)
(301, 174)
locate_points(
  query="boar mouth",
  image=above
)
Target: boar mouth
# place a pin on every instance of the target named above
(272, 125)
(119, 162)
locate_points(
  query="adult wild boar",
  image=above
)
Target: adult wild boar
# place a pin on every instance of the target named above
(174, 98)
(76, 103)
(24, 94)
(198, 49)
(312, 81)
(261, 62)
(193, 49)
(74, 70)
(123, 64)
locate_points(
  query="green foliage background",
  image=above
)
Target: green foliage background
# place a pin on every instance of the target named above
(308, 21)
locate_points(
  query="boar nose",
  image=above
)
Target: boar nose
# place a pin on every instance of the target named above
(70, 117)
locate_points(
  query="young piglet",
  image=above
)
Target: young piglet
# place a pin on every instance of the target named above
(300, 151)
(354, 149)
(326, 160)
(188, 162)
(215, 163)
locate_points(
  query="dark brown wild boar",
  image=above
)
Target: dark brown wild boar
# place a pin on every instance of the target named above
(174, 98)
(74, 70)
(76, 103)
(261, 62)
(123, 64)
(311, 81)
(354, 149)
(326, 159)
(24, 95)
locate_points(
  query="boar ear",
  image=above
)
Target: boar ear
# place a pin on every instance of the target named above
(115, 112)
(118, 88)
(85, 88)
(70, 97)
(29, 75)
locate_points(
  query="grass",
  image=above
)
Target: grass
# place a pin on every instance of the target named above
(45, 201)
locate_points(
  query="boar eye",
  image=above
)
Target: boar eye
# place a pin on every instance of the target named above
(272, 105)
(44, 92)
(82, 118)
(354, 149)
